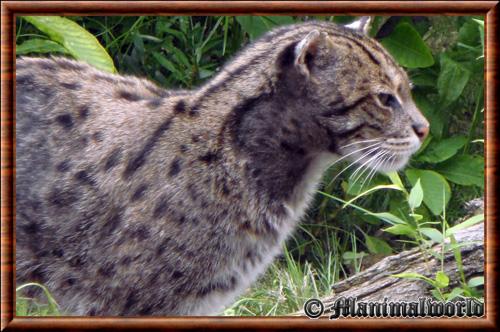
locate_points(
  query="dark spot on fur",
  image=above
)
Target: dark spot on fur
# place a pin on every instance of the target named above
(109, 79)
(290, 148)
(31, 227)
(65, 120)
(125, 261)
(97, 136)
(154, 103)
(139, 192)
(130, 302)
(195, 138)
(177, 274)
(161, 207)
(47, 65)
(296, 123)
(70, 281)
(106, 270)
(112, 159)
(180, 107)
(84, 178)
(136, 162)
(256, 172)
(71, 86)
(79, 260)
(146, 310)
(141, 233)
(64, 166)
(194, 112)
(84, 112)
(68, 64)
(209, 157)
(225, 189)
(61, 198)
(129, 96)
(162, 247)
(175, 167)
(111, 223)
(183, 148)
(58, 252)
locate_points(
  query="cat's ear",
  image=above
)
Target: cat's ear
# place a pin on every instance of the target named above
(361, 25)
(306, 49)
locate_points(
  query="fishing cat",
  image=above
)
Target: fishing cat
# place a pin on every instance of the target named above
(135, 200)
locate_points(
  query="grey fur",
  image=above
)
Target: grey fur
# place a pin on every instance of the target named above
(134, 200)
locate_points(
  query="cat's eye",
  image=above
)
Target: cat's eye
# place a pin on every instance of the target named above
(387, 99)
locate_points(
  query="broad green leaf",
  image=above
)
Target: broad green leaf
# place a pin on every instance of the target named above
(469, 34)
(400, 229)
(408, 48)
(466, 224)
(255, 26)
(476, 281)
(464, 169)
(38, 45)
(442, 279)
(452, 80)
(432, 234)
(388, 217)
(416, 195)
(395, 179)
(454, 294)
(377, 246)
(434, 185)
(440, 150)
(80, 44)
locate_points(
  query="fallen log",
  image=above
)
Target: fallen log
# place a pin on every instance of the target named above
(376, 283)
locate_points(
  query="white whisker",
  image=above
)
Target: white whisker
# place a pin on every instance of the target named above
(359, 142)
(374, 149)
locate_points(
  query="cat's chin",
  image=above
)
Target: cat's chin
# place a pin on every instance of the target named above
(394, 164)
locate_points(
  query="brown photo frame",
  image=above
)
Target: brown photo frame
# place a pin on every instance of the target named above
(10, 9)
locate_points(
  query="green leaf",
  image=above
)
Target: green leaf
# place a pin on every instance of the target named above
(433, 186)
(371, 190)
(442, 279)
(395, 179)
(401, 229)
(38, 45)
(255, 26)
(476, 281)
(432, 234)
(465, 170)
(388, 217)
(440, 150)
(452, 80)
(414, 275)
(454, 293)
(408, 48)
(416, 195)
(466, 224)
(377, 246)
(80, 44)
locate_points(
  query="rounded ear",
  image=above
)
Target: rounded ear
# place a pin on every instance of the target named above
(361, 25)
(307, 46)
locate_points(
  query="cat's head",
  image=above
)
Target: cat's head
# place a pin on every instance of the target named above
(360, 96)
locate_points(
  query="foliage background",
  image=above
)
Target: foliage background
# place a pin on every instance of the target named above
(444, 59)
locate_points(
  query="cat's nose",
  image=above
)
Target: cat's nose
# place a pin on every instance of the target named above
(421, 129)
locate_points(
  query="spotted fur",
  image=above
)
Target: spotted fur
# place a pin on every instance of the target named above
(134, 200)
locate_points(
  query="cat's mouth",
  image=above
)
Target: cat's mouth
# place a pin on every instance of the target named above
(385, 155)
